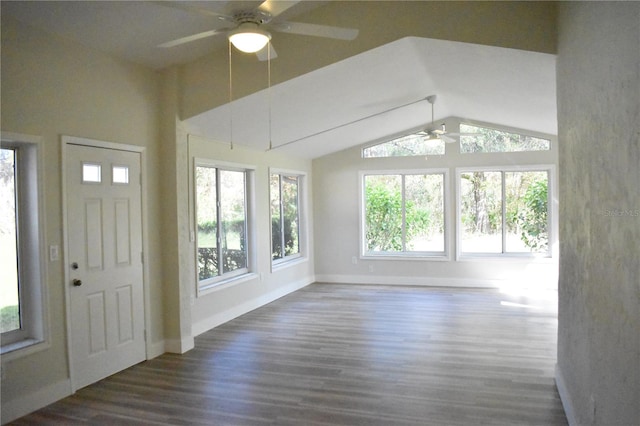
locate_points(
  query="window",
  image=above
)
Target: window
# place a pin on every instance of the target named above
(417, 144)
(21, 269)
(221, 217)
(285, 216)
(404, 214)
(504, 211)
(476, 139)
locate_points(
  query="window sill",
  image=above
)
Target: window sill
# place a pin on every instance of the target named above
(286, 263)
(404, 256)
(22, 348)
(221, 285)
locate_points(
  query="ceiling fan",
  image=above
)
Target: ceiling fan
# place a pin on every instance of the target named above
(250, 27)
(437, 133)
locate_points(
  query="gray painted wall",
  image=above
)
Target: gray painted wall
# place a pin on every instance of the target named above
(598, 73)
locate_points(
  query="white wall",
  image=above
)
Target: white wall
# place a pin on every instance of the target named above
(228, 301)
(337, 207)
(53, 87)
(598, 77)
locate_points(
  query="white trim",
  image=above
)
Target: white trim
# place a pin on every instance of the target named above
(42, 397)
(445, 255)
(39, 332)
(179, 346)
(565, 397)
(303, 212)
(552, 209)
(72, 140)
(247, 306)
(242, 274)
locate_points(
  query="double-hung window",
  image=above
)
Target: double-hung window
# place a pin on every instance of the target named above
(404, 213)
(222, 211)
(22, 293)
(285, 195)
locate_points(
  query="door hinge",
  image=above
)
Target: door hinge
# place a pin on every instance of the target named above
(142, 257)
(145, 335)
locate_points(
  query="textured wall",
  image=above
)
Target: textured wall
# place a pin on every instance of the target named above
(599, 289)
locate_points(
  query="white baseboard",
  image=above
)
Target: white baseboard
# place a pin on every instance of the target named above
(565, 397)
(248, 306)
(155, 349)
(416, 281)
(179, 346)
(22, 406)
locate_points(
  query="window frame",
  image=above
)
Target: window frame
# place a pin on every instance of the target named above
(242, 274)
(551, 196)
(33, 335)
(285, 260)
(406, 255)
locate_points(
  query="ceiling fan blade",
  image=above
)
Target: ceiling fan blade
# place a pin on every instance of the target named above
(276, 7)
(262, 53)
(193, 9)
(191, 38)
(447, 138)
(316, 30)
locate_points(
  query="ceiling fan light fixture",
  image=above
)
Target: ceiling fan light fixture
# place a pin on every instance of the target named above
(249, 38)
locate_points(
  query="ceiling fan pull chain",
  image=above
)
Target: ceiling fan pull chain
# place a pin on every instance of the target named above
(230, 101)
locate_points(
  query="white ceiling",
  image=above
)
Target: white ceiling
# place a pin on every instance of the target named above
(310, 116)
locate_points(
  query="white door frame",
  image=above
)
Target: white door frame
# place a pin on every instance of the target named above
(72, 140)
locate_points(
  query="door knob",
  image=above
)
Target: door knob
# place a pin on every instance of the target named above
(76, 282)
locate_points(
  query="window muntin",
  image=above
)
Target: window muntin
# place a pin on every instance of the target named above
(285, 216)
(23, 294)
(221, 217)
(476, 139)
(404, 214)
(503, 211)
(417, 144)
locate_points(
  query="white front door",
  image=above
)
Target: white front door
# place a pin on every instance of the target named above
(104, 237)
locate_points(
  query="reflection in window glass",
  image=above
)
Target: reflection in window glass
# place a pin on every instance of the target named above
(91, 173)
(120, 174)
(476, 139)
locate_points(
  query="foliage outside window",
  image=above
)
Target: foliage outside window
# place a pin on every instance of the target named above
(504, 212)
(22, 319)
(475, 139)
(221, 214)
(285, 216)
(404, 213)
(416, 144)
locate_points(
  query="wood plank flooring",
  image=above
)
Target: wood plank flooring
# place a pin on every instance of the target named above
(347, 355)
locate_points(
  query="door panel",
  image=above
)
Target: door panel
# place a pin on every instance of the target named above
(104, 234)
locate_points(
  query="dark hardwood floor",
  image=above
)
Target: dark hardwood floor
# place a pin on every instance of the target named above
(347, 355)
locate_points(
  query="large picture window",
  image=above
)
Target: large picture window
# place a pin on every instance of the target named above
(285, 216)
(221, 216)
(22, 296)
(504, 211)
(404, 214)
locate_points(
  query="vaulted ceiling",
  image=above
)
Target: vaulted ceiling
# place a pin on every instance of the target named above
(486, 61)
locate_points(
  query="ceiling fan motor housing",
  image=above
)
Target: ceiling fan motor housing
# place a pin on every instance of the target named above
(258, 17)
